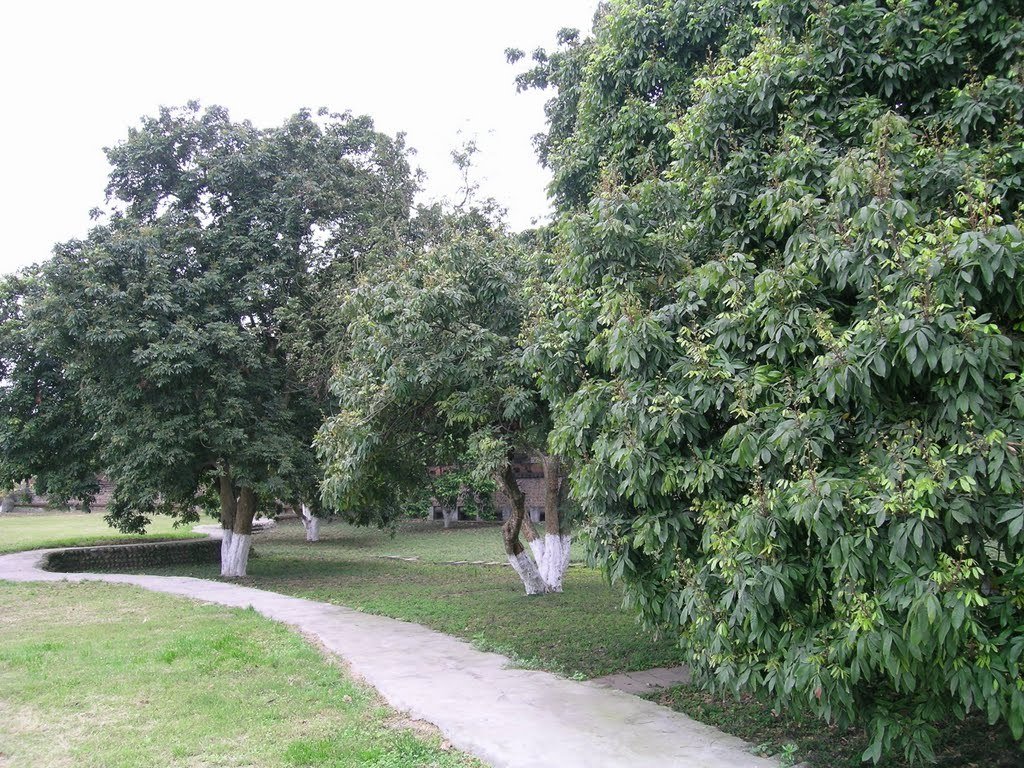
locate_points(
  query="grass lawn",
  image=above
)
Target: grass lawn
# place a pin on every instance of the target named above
(110, 676)
(36, 530)
(970, 744)
(582, 632)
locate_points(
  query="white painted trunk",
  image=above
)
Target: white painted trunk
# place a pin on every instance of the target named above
(311, 523)
(555, 560)
(225, 550)
(537, 547)
(238, 556)
(528, 572)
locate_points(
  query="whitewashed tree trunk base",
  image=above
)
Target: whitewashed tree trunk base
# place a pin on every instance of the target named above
(528, 572)
(545, 571)
(555, 560)
(537, 547)
(311, 523)
(225, 550)
(237, 556)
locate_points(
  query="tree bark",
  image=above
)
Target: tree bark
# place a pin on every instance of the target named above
(447, 515)
(228, 505)
(241, 535)
(310, 522)
(555, 559)
(517, 556)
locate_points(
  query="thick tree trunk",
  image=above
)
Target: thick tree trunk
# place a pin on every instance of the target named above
(517, 556)
(228, 505)
(310, 522)
(448, 515)
(555, 558)
(545, 571)
(241, 535)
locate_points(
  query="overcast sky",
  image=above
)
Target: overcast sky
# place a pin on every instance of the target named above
(77, 75)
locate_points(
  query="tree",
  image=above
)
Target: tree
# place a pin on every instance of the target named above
(785, 355)
(617, 94)
(179, 315)
(44, 435)
(434, 377)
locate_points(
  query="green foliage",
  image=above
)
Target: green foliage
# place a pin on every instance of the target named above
(786, 360)
(458, 487)
(181, 317)
(44, 435)
(617, 92)
(433, 374)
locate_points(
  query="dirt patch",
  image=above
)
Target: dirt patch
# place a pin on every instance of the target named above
(400, 722)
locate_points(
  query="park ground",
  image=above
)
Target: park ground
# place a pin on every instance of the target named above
(39, 529)
(450, 580)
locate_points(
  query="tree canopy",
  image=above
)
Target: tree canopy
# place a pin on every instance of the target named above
(183, 317)
(784, 351)
(434, 377)
(44, 434)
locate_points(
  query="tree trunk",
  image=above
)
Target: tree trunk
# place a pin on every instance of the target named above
(310, 522)
(517, 556)
(557, 541)
(228, 505)
(448, 515)
(241, 535)
(545, 571)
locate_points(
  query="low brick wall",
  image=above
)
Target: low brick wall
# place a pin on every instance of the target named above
(127, 557)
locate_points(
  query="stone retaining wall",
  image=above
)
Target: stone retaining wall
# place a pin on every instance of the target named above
(127, 557)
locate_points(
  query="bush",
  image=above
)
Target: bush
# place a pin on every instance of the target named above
(787, 364)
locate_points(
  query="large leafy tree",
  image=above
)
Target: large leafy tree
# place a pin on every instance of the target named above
(615, 95)
(181, 316)
(786, 358)
(434, 377)
(44, 435)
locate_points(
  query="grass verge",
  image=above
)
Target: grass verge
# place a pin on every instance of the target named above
(25, 530)
(969, 744)
(114, 676)
(582, 632)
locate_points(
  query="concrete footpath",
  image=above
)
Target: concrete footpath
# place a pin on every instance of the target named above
(509, 718)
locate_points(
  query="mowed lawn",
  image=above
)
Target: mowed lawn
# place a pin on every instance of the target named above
(35, 530)
(111, 676)
(582, 632)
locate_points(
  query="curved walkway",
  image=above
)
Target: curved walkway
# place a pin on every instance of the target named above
(510, 718)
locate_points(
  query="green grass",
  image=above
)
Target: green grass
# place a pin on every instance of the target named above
(27, 530)
(970, 744)
(110, 676)
(581, 632)
(424, 540)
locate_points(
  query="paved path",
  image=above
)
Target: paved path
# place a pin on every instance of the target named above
(510, 718)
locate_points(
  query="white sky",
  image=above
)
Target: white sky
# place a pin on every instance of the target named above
(77, 75)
